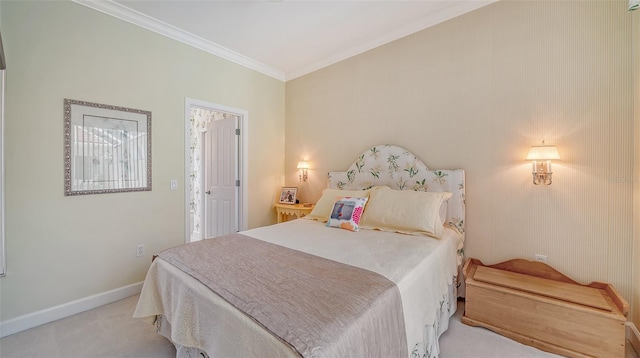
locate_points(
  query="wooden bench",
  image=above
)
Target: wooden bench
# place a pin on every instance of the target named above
(534, 304)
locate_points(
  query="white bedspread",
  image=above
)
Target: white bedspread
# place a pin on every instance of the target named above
(422, 267)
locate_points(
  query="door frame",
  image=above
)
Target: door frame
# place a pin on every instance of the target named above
(243, 123)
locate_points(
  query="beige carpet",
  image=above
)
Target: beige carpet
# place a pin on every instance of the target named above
(110, 332)
(107, 331)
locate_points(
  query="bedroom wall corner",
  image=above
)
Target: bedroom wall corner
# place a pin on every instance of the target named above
(475, 92)
(635, 302)
(65, 249)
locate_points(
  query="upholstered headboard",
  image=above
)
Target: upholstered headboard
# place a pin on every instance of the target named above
(399, 169)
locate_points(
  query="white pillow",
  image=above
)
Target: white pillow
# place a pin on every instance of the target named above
(405, 211)
(443, 210)
(322, 210)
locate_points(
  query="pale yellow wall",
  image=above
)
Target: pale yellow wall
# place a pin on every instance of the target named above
(475, 93)
(636, 208)
(64, 248)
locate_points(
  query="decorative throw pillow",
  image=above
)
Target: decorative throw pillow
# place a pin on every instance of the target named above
(322, 210)
(347, 212)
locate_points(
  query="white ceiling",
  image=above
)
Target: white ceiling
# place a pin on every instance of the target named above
(285, 39)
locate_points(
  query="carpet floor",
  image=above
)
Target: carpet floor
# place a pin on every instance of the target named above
(110, 332)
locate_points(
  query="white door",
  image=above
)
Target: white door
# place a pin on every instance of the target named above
(221, 180)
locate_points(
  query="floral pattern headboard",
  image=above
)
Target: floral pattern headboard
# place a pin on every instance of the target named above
(399, 169)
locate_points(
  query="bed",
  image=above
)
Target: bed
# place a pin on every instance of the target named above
(395, 277)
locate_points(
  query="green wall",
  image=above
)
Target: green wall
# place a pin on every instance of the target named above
(61, 249)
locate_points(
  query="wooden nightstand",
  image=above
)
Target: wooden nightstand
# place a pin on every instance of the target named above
(297, 210)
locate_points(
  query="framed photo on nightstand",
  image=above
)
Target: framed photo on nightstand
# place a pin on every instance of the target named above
(288, 195)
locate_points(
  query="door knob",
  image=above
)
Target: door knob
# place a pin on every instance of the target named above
(208, 192)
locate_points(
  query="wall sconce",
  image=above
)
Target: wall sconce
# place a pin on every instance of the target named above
(542, 155)
(634, 5)
(303, 167)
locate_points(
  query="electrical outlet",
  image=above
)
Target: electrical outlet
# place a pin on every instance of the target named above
(174, 184)
(541, 258)
(140, 250)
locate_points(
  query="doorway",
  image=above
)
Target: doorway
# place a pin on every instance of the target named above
(215, 170)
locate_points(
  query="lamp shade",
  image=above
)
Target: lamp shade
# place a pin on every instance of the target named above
(303, 165)
(543, 152)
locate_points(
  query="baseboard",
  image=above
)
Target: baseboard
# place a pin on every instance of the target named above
(633, 335)
(38, 318)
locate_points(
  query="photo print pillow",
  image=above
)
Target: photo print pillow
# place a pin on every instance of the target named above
(347, 212)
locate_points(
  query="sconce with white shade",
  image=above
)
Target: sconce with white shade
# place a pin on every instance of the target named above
(542, 155)
(634, 5)
(303, 167)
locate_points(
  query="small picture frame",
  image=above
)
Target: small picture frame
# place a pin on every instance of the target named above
(288, 195)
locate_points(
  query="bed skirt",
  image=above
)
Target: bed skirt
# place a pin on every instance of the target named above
(427, 348)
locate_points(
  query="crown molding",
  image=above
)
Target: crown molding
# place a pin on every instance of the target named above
(139, 19)
(124, 13)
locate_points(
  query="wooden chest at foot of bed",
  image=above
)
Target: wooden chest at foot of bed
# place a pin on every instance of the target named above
(534, 304)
